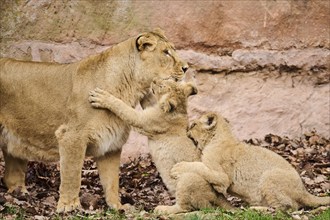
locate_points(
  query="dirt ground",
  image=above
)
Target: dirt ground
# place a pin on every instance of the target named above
(141, 185)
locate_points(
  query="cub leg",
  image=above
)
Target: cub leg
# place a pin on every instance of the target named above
(278, 189)
(108, 167)
(193, 192)
(72, 149)
(218, 178)
(15, 169)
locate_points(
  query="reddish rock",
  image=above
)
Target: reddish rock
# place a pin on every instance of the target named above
(263, 64)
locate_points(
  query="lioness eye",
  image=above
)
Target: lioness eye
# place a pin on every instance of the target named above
(167, 52)
(192, 125)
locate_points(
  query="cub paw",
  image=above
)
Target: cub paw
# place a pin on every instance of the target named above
(180, 168)
(174, 209)
(221, 189)
(68, 206)
(162, 209)
(97, 96)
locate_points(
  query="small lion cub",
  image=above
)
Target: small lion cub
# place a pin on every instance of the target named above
(257, 175)
(164, 123)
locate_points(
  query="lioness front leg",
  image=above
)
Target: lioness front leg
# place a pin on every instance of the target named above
(218, 178)
(15, 170)
(72, 149)
(108, 167)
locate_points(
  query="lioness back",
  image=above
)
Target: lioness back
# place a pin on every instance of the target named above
(31, 93)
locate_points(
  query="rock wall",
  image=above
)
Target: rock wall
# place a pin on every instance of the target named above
(263, 64)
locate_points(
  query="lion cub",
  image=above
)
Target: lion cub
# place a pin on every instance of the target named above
(256, 175)
(165, 124)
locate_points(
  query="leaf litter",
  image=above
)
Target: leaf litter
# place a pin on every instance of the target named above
(141, 185)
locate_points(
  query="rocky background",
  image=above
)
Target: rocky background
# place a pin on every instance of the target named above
(263, 64)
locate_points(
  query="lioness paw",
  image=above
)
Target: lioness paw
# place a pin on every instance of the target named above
(18, 189)
(113, 202)
(161, 209)
(69, 206)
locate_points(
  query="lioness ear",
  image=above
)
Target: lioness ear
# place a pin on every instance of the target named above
(168, 105)
(190, 89)
(146, 42)
(159, 32)
(210, 121)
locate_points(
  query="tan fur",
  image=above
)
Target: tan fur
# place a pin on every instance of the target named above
(165, 123)
(256, 175)
(45, 114)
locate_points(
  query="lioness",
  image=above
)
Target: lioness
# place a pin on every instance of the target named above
(165, 124)
(256, 175)
(45, 115)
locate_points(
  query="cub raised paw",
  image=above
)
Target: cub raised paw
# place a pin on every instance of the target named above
(97, 98)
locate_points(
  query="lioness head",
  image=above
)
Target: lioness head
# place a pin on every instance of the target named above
(171, 95)
(203, 129)
(158, 56)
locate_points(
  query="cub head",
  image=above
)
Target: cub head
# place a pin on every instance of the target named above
(203, 129)
(206, 127)
(158, 57)
(172, 96)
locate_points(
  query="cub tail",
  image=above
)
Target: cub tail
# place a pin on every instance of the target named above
(310, 200)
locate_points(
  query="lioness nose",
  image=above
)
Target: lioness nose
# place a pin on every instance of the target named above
(185, 68)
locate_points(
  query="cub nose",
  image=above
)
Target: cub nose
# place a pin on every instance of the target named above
(156, 82)
(185, 68)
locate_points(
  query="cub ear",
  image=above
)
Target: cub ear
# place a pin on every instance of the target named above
(169, 105)
(146, 42)
(190, 89)
(210, 120)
